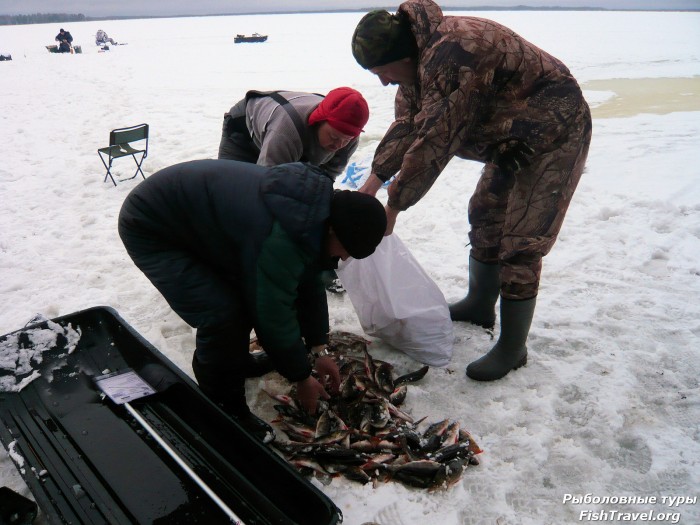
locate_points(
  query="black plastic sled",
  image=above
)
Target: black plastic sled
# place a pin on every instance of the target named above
(89, 460)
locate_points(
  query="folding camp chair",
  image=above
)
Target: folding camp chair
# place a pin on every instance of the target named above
(120, 141)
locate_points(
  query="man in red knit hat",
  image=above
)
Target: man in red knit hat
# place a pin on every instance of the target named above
(270, 128)
(276, 127)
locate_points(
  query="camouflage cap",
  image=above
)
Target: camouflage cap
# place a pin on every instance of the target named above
(380, 38)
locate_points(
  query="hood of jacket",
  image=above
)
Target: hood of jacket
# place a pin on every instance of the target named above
(298, 196)
(424, 17)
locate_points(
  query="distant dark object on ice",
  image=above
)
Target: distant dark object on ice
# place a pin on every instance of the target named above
(55, 49)
(5, 57)
(255, 37)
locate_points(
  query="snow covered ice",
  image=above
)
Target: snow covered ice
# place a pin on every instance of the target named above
(608, 407)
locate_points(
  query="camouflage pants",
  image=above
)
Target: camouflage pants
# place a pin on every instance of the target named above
(515, 218)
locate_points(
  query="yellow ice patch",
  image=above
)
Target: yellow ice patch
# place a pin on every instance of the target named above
(634, 96)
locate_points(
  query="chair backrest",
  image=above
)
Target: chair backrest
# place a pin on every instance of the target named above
(130, 134)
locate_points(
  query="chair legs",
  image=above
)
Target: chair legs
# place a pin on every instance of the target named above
(108, 167)
(109, 174)
(138, 168)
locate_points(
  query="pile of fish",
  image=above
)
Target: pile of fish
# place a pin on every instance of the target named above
(362, 433)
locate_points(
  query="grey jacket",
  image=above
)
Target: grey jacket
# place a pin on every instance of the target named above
(274, 133)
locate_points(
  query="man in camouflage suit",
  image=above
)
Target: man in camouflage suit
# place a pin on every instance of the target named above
(472, 88)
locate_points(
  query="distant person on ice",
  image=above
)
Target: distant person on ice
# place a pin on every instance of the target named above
(233, 247)
(102, 38)
(65, 41)
(471, 88)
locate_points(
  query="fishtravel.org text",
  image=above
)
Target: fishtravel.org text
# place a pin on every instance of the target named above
(650, 515)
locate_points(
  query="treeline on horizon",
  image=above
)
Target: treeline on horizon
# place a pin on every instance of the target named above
(44, 18)
(41, 18)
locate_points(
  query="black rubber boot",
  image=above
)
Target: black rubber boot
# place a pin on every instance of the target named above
(479, 306)
(228, 391)
(16, 509)
(258, 364)
(256, 427)
(510, 352)
(332, 282)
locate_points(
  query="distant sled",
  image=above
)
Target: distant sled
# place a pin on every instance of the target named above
(54, 49)
(255, 37)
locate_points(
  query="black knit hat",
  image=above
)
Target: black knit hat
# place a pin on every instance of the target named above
(381, 38)
(359, 222)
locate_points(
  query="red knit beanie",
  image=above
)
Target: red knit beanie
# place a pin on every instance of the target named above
(344, 109)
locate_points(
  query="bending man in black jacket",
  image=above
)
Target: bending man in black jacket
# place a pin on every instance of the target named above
(233, 247)
(65, 41)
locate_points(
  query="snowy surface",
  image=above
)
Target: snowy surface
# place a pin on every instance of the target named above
(609, 403)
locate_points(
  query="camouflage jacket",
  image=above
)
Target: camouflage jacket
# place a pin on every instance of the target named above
(478, 84)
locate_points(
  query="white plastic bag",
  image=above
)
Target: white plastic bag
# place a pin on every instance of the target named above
(396, 301)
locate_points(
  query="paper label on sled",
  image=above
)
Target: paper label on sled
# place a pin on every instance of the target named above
(123, 387)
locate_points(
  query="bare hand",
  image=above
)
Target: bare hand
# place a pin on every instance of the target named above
(328, 371)
(309, 391)
(371, 185)
(391, 215)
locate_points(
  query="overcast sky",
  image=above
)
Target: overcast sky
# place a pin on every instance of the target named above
(205, 7)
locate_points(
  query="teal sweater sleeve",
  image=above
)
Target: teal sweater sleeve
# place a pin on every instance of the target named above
(283, 270)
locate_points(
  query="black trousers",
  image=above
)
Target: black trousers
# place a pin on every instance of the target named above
(201, 296)
(236, 142)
